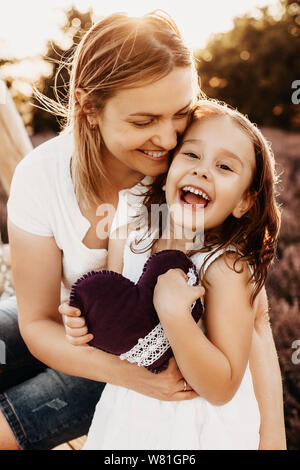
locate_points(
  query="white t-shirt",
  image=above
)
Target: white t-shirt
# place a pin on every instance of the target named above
(42, 201)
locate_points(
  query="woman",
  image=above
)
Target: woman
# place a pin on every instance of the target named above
(133, 85)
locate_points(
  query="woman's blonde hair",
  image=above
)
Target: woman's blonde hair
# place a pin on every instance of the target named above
(14, 139)
(119, 52)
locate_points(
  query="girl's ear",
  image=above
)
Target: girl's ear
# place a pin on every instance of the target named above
(244, 205)
(163, 187)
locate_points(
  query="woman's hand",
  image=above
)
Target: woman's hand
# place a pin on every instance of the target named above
(173, 296)
(75, 325)
(168, 385)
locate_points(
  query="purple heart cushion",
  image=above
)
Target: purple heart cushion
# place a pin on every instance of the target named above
(121, 315)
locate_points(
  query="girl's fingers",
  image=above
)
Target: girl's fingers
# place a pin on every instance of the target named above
(66, 309)
(75, 322)
(76, 332)
(81, 341)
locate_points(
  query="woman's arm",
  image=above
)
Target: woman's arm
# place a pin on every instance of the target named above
(36, 266)
(267, 381)
(75, 325)
(213, 364)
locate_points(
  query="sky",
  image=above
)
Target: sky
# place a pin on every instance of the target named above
(25, 25)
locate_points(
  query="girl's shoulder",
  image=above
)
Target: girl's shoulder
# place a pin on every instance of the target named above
(220, 262)
(229, 268)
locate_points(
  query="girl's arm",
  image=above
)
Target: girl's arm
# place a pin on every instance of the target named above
(36, 267)
(266, 377)
(213, 364)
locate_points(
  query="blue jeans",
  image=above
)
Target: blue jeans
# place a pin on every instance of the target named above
(43, 407)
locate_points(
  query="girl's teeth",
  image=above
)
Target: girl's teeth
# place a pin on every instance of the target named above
(154, 154)
(195, 191)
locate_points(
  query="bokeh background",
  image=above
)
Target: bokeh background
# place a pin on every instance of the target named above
(247, 54)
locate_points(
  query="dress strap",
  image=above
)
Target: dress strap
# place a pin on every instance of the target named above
(199, 258)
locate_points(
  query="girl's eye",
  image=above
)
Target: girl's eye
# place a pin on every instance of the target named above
(223, 166)
(191, 154)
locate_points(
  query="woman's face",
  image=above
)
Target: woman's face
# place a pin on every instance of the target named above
(140, 126)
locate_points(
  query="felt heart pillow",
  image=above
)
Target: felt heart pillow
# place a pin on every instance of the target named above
(121, 315)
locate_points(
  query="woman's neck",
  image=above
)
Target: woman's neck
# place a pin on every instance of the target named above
(119, 175)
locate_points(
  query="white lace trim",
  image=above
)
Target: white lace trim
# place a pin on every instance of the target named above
(154, 344)
(148, 349)
(192, 281)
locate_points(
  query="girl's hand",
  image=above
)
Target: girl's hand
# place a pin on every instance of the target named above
(75, 325)
(172, 294)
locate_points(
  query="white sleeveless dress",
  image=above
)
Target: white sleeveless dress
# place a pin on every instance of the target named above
(127, 420)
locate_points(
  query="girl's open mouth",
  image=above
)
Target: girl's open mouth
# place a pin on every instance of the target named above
(193, 197)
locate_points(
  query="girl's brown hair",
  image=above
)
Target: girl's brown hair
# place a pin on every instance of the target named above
(255, 234)
(117, 53)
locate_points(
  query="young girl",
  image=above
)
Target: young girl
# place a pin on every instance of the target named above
(230, 178)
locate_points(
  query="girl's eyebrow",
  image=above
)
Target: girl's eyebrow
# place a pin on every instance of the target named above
(227, 152)
(158, 115)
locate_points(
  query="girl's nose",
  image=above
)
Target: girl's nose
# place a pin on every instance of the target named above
(201, 173)
(166, 137)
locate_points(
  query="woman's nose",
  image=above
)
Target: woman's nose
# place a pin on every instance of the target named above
(166, 137)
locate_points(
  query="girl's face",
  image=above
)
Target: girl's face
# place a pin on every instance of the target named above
(212, 171)
(140, 126)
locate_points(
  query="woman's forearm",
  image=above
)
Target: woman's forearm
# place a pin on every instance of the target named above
(267, 383)
(46, 341)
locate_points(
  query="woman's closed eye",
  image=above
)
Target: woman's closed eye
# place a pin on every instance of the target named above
(149, 122)
(143, 124)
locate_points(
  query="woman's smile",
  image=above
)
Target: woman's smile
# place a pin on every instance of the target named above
(155, 155)
(126, 134)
